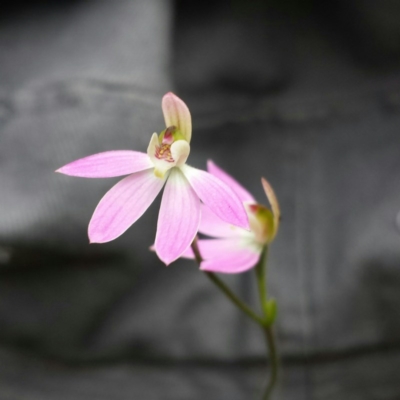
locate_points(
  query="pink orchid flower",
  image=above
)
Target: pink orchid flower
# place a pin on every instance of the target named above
(236, 250)
(185, 188)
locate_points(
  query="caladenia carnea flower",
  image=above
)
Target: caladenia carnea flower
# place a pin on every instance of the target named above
(186, 188)
(236, 250)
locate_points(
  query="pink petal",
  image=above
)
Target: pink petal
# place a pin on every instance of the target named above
(212, 248)
(188, 253)
(211, 225)
(176, 113)
(217, 196)
(122, 205)
(178, 219)
(241, 192)
(227, 259)
(108, 164)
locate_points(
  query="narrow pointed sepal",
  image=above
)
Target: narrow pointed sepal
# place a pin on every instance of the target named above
(176, 113)
(273, 200)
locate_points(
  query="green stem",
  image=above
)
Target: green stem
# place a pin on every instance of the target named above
(235, 300)
(274, 362)
(261, 273)
(265, 322)
(225, 289)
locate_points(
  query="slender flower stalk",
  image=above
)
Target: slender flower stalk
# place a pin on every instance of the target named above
(265, 322)
(270, 311)
(274, 363)
(242, 251)
(225, 289)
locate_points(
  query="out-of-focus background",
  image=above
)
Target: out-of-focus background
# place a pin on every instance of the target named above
(305, 93)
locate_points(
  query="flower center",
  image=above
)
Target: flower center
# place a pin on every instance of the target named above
(167, 150)
(163, 152)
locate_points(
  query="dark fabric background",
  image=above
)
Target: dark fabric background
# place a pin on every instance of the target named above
(304, 93)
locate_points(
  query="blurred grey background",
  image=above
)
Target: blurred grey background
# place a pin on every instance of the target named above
(305, 93)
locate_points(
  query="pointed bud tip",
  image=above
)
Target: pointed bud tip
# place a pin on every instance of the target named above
(169, 94)
(270, 193)
(265, 183)
(273, 200)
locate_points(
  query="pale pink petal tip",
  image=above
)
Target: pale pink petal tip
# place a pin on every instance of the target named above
(179, 218)
(176, 113)
(240, 191)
